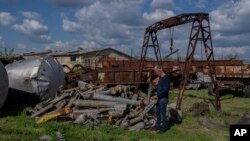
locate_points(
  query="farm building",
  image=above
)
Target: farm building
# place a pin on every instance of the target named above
(86, 58)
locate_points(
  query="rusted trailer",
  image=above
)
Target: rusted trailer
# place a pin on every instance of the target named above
(234, 77)
(230, 73)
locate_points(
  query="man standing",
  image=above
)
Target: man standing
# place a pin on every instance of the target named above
(162, 89)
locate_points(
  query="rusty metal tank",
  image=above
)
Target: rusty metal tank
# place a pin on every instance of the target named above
(4, 85)
(40, 76)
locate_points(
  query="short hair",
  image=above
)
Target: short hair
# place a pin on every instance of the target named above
(158, 67)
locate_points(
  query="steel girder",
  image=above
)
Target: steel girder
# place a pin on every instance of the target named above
(200, 31)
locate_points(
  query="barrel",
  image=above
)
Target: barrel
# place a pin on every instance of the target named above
(4, 84)
(40, 76)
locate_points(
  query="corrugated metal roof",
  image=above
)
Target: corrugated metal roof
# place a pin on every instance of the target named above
(94, 52)
(84, 52)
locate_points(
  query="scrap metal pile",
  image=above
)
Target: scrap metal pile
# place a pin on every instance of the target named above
(4, 84)
(90, 104)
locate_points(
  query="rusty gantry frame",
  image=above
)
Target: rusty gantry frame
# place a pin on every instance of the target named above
(200, 31)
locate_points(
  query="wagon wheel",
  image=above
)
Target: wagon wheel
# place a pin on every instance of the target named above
(66, 69)
(78, 69)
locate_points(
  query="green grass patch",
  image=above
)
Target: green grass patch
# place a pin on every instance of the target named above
(24, 128)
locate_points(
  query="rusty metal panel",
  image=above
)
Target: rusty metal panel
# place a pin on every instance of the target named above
(40, 76)
(111, 63)
(105, 77)
(88, 76)
(241, 71)
(125, 71)
(4, 85)
(122, 76)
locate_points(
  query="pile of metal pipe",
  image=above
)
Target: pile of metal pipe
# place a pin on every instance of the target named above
(92, 104)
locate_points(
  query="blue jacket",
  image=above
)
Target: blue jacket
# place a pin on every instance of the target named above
(163, 87)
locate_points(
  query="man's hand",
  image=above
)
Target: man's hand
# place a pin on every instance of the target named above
(154, 97)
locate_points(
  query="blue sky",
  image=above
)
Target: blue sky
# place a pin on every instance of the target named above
(39, 25)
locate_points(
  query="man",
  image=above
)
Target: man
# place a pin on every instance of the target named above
(162, 89)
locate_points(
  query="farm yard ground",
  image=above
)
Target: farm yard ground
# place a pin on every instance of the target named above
(16, 125)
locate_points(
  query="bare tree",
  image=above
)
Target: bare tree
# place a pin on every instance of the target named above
(232, 56)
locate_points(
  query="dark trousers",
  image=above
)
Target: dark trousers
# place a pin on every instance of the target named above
(162, 122)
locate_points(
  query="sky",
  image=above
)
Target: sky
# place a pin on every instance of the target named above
(63, 25)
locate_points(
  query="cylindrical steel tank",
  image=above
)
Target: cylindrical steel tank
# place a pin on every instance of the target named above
(4, 84)
(41, 76)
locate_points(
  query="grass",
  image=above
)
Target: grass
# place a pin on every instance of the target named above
(23, 128)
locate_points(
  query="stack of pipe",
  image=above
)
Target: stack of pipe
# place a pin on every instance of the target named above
(91, 104)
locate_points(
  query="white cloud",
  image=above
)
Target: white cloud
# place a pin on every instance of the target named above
(36, 31)
(6, 18)
(231, 39)
(162, 4)
(31, 27)
(86, 45)
(31, 15)
(71, 26)
(24, 48)
(55, 46)
(41, 38)
(117, 12)
(107, 24)
(62, 45)
(2, 42)
(21, 46)
(230, 26)
(45, 37)
(158, 14)
(113, 23)
(71, 45)
(232, 18)
(224, 53)
(121, 24)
